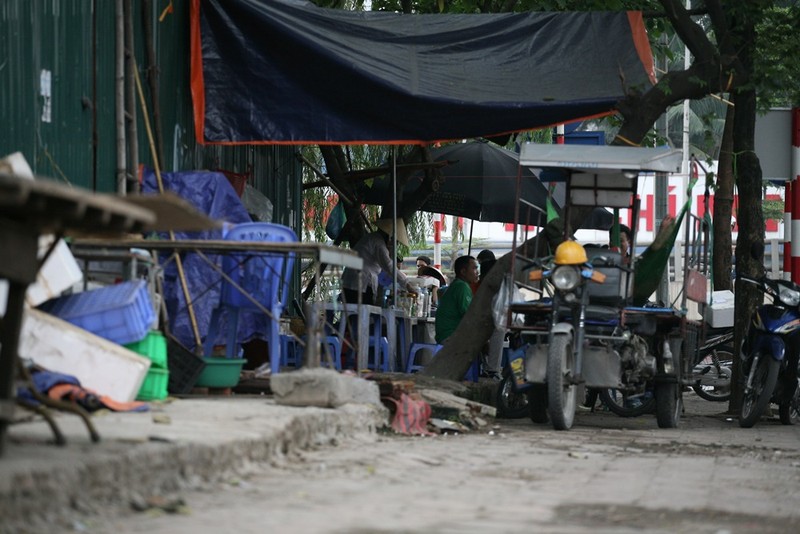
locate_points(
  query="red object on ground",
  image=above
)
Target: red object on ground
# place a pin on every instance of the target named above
(411, 415)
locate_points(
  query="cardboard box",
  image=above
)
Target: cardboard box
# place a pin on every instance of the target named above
(99, 364)
(719, 313)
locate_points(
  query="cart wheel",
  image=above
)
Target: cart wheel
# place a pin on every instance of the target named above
(669, 404)
(562, 396)
(625, 405)
(537, 402)
(713, 375)
(789, 411)
(511, 404)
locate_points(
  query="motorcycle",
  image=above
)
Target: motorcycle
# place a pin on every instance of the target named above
(770, 353)
(585, 341)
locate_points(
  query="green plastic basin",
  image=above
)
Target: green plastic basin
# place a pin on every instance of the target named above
(220, 372)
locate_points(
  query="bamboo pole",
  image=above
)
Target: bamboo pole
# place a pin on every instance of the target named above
(119, 110)
(178, 261)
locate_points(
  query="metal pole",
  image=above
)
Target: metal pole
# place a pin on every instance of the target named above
(394, 229)
(661, 192)
(119, 84)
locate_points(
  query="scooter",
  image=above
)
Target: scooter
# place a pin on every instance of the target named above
(770, 353)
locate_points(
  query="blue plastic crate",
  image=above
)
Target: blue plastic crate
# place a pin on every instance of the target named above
(121, 313)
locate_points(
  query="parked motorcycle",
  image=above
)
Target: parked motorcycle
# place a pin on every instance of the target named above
(770, 353)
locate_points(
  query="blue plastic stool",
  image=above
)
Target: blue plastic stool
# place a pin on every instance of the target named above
(335, 347)
(382, 350)
(473, 373)
(412, 353)
(289, 351)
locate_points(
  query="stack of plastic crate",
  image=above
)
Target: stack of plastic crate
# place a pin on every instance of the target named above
(121, 313)
(154, 347)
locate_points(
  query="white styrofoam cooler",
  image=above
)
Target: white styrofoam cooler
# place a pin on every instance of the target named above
(719, 313)
(59, 273)
(99, 364)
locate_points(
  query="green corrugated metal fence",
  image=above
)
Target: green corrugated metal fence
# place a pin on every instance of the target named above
(57, 100)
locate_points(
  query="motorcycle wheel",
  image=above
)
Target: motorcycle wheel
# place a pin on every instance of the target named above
(757, 399)
(669, 404)
(510, 403)
(789, 411)
(620, 403)
(562, 397)
(537, 404)
(720, 392)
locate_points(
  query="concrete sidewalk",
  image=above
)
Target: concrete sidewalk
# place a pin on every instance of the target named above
(177, 444)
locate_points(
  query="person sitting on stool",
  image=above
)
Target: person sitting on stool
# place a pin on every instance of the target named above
(453, 304)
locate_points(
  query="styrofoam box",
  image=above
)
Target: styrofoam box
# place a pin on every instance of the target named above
(59, 273)
(719, 314)
(99, 364)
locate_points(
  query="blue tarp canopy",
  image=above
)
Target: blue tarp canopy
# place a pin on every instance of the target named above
(288, 72)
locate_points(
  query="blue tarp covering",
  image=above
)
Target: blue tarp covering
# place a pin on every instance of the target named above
(287, 71)
(212, 194)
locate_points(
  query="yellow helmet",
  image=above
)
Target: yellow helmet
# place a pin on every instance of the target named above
(570, 253)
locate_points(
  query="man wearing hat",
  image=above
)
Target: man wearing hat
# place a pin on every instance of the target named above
(374, 250)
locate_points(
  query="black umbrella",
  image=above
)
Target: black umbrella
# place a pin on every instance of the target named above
(480, 183)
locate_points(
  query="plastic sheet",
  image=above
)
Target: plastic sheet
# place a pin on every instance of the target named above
(212, 194)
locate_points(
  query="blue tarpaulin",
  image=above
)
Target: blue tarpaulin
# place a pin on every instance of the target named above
(212, 194)
(287, 71)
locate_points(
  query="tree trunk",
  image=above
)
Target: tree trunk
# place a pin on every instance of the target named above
(723, 205)
(750, 214)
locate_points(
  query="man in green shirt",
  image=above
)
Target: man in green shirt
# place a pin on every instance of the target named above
(454, 302)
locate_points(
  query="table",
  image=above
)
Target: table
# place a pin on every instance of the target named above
(28, 209)
(320, 253)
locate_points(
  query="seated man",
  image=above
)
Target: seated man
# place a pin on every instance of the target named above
(454, 302)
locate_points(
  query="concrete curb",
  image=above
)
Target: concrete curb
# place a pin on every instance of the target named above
(184, 444)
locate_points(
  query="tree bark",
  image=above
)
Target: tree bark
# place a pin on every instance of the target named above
(723, 205)
(749, 261)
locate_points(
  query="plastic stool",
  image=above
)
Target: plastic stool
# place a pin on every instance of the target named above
(382, 359)
(474, 371)
(412, 353)
(336, 348)
(289, 351)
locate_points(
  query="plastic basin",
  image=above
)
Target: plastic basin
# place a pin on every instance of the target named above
(220, 372)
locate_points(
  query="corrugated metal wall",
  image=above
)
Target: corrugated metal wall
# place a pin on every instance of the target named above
(74, 40)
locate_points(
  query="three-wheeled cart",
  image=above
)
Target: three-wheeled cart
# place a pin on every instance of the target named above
(593, 325)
